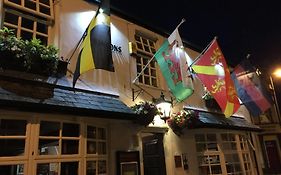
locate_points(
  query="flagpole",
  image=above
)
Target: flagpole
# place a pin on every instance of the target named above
(204, 50)
(139, 74)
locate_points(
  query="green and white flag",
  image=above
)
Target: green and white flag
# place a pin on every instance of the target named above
(171, 57)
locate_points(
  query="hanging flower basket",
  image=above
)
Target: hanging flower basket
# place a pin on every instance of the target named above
(147, 111)
(181, 120)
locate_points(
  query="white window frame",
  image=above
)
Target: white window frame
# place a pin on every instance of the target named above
(31, 158)
(35, 16)
(220, 153)
(146, 48)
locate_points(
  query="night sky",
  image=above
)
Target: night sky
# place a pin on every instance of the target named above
(242, 27)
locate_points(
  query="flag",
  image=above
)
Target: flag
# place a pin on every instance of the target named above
(251, 89)
(96, 45)
(169, 58)
(212, 70)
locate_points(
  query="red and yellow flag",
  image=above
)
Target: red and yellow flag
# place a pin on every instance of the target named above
(212, 70)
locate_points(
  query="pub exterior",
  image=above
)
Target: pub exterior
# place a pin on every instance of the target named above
(49, 127)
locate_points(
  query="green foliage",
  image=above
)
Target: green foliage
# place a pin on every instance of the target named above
(147, 111)
(36, 57)
(181, 120)
(10, 43)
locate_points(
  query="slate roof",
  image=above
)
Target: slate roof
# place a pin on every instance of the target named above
(29, 95)
(216, 120)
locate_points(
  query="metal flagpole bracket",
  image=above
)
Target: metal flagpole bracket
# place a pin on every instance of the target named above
(138, 93)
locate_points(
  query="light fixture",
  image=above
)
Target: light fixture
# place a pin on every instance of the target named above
(101, 10)
(164, 106)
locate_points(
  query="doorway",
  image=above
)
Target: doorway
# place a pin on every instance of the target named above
(273, 156)
(153, 154)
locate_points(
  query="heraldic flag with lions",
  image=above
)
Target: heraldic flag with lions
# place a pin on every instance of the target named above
(212, 70)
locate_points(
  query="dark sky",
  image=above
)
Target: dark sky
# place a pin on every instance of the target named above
(242, 26)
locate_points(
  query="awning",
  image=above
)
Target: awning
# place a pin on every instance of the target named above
(216, 120)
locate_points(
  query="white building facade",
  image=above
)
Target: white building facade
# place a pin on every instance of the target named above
(60, 141)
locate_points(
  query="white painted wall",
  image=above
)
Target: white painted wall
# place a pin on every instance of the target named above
(74, 16)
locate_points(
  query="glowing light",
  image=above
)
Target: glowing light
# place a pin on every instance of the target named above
(220, 70)
(101, 10)
(277, 73)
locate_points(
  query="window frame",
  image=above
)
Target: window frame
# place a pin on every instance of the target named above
(149, 76)
(221, 152)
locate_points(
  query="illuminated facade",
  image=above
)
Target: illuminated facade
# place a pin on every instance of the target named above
(90, 130)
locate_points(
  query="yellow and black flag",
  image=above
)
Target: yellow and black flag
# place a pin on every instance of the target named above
(96, 44)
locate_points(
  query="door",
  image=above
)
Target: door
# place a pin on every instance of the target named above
(153, 155)
(273, 156)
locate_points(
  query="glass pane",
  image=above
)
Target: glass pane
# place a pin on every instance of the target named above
(16, 1)
(48, 147)
(91, 132)
(91, 168)
(91, 147)
(101, 148)
(153, 72)
(49, 128)
(146, 80)
(42, 28)
(102, 167)
(26, 35)
(12, 147)
(11, 18)
(46, 2)
(146, 48)
(139, 46)
(47, 169)
(154, 82)
(12, 127)
(71, 130)
(12, 169)
(70, 146)
(43, 39)
(212, 146)
(199, 138)
(69, 168)
(45, 10)
(145, 41)
(30, 4)
(27, 23)
(151, 43)
(101, 133)
(146, 71)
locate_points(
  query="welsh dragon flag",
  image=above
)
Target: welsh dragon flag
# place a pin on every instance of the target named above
(212, 70)
(170, 58)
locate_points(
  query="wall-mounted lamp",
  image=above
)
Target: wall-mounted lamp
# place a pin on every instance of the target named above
(164, 106)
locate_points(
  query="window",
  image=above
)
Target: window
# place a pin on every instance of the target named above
(224, 153)
(29, 18)
(146, 50)
(96, 150)
(12, 137)
(57, 138)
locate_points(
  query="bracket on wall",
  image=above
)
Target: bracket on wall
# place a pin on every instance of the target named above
(138, 93)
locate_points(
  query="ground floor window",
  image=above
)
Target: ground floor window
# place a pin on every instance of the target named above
(52, 147)
(223, 153)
